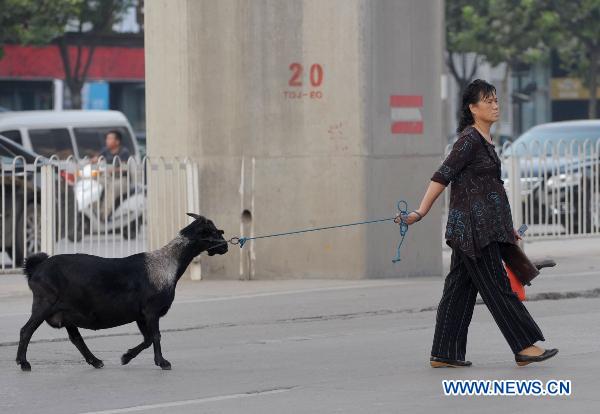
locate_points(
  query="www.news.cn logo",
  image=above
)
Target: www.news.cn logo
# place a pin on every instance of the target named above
(507, 387)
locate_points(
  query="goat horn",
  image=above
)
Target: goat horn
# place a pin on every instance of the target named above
(194, 216)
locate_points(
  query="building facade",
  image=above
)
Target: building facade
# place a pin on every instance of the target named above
(33, 77)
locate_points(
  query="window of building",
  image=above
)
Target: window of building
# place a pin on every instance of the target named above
(130, 98)
(26, 95)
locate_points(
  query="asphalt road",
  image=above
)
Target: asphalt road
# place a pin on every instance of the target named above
(309, 346)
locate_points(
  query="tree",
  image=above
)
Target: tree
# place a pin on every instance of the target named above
(90, 20)
(580, 48)
(517, 33)
(460, 42)
(513, 32)
(33, 21)
(73, 25)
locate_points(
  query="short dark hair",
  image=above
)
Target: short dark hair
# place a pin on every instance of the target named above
(117, 133)
(473, 93)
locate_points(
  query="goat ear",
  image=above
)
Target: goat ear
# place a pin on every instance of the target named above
(194, 216)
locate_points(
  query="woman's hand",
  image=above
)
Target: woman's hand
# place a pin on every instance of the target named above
(409, 218)
(517, 236)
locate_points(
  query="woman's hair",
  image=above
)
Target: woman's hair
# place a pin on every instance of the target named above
(474, 92)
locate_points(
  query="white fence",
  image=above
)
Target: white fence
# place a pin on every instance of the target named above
(70, 206)
(64, 206)
(552, 186)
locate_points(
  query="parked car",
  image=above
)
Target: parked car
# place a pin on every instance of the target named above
(21, 188)
(558, 164)
(66, 133)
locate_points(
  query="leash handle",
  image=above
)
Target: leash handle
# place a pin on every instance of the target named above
(403, 210)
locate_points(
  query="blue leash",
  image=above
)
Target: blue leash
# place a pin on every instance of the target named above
(402, 209)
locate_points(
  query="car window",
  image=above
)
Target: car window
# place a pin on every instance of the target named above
(48, 142)
(90, 141)
(7, 156)
(549, 137)
(14, 135)
(11, 149)
(5, 152)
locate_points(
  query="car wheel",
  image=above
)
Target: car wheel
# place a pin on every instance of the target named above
(9, 254)
(76, 235)
(129, 231)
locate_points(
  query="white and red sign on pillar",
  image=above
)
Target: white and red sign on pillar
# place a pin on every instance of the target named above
(406, 114)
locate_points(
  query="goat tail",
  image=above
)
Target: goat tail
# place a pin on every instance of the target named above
(32, 262)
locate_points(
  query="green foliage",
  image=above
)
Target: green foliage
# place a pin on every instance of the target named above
(580, 30)
(460, 40)
(98, 16)
(34, 21)
(510, 31)
(519, 32)
(46, 21)
(41, 21)
(460, 32)
(580, 49)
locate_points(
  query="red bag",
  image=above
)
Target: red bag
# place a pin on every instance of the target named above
(519, 269)
(515, 284)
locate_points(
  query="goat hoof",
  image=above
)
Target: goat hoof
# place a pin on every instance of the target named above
(164, 364)
(125, 358)
(96, 363)
(25, 366)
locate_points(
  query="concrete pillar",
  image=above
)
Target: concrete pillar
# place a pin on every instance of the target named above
(286, 105)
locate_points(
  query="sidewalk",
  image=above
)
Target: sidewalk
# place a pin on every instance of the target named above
(577, 260)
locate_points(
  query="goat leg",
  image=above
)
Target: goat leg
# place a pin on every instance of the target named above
(155, 335)
(39, 312)
(133, 352)
(77, 340)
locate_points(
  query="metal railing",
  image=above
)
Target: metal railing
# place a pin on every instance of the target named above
(70, 206)
(123, 207)
(553, 187)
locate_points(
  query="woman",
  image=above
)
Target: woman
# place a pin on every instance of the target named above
(479, 218)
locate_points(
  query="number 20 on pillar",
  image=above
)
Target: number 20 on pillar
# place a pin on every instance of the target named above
(297, 79)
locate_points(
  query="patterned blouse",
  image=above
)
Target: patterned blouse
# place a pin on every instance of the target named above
(479, 212)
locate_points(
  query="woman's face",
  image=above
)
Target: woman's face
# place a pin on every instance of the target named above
(486, 110)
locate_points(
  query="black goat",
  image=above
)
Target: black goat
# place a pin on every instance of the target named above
(83, 291)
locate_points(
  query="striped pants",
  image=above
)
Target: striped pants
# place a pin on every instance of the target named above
(487, 276)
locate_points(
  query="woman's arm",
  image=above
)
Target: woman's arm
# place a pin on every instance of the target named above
(462, 153)
(433, 192)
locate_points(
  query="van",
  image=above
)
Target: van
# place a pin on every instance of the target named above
(77, 133)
